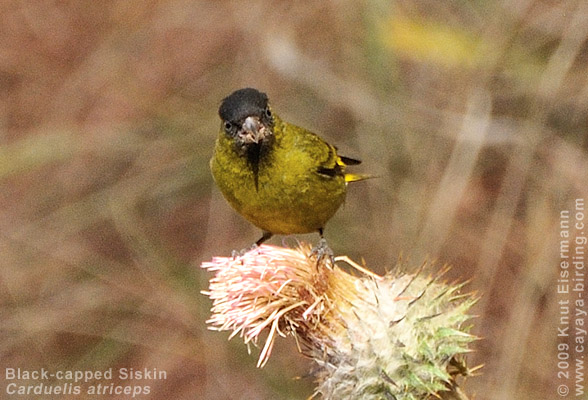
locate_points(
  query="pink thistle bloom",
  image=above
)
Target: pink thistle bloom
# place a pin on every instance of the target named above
(395, 336)
(266, 287)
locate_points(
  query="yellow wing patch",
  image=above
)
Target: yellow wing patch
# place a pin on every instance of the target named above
(343, 162)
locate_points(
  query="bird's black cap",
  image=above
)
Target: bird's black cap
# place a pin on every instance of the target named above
(241, 104)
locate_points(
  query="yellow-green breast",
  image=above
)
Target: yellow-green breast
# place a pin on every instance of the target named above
(291, 196)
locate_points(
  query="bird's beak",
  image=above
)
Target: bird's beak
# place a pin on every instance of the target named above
(253, 131)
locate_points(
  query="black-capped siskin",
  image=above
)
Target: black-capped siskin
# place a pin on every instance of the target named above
(280, 177)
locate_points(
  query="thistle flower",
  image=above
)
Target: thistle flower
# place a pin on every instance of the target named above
(400, 336)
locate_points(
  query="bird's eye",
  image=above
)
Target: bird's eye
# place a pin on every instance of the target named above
(228, 126)
(268, 113)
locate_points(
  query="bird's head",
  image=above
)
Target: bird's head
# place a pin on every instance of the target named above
(247, 118)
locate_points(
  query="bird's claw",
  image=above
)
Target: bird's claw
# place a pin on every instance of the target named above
(236, 254)
(322, 250)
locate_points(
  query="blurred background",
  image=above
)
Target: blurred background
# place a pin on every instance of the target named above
(472, 114)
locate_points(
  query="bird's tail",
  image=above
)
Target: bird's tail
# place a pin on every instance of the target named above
(345, 161)
(356, 177)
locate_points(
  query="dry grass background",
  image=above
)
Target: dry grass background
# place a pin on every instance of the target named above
(473, 114)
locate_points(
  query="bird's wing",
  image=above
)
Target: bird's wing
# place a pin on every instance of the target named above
(327, 162)
(349, 161)
(336, 165)
(331, 165)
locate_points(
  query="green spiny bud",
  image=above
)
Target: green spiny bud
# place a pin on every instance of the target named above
(400, 336)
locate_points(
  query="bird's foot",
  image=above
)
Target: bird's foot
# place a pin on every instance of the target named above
(265, 236)
(236, 254)
(321, 250)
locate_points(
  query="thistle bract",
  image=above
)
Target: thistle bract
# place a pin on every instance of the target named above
(399, 336)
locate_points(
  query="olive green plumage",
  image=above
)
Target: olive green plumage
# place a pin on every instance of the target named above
(280, 177)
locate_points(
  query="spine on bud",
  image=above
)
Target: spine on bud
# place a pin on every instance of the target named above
(401, 336)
